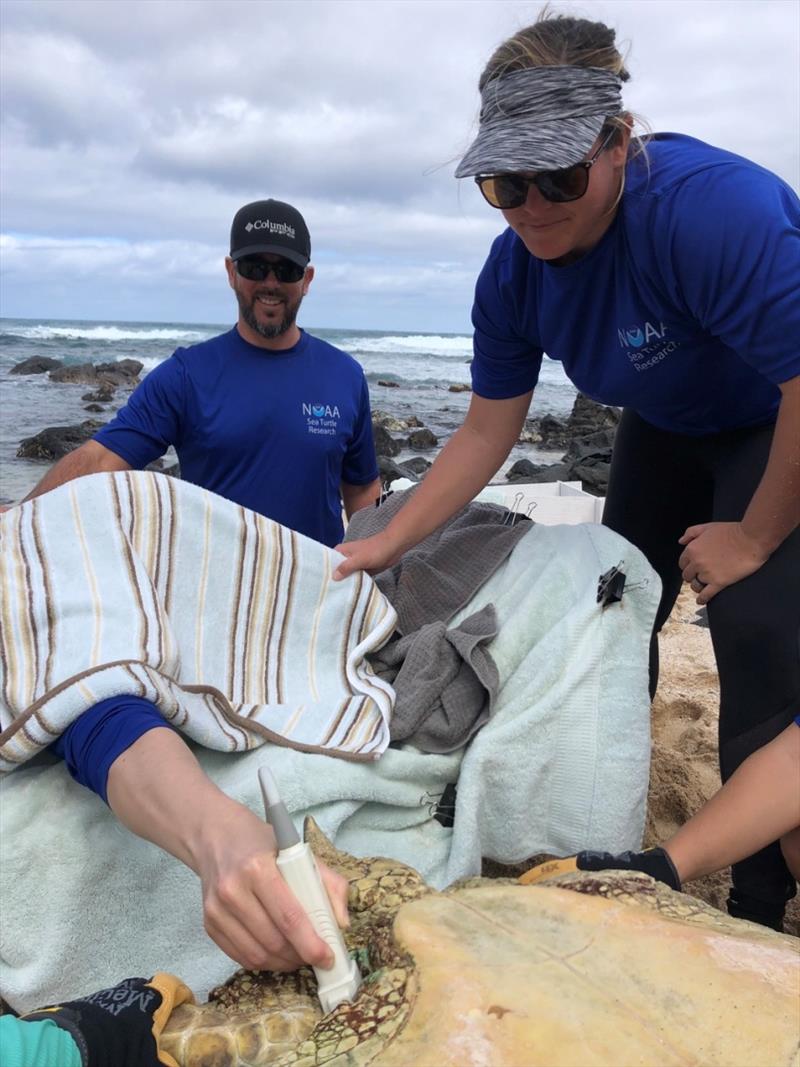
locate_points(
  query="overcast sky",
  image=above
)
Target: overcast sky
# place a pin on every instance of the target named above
(132, 131)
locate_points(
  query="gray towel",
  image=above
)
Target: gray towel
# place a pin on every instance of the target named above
(445, 679)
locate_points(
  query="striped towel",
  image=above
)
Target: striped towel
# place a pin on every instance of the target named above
(134, 582)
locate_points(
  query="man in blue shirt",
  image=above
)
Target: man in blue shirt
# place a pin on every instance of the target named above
(279, 422)
(265, 414)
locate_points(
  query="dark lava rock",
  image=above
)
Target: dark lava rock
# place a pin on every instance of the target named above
(389, 471)
(388, 385)
(416, 466)
(385, 444)
(125, 368)
(422, 439)
(125, 372)
(525, 471)
(57, 441)
(589, 459)
(93, 407)
(594, 446)
(459, 388)
(413, 469)
(35, 365)
(80, 373)
(594, 477)
(588, 416)
(553, 432)
(523, 468)
(102, 395)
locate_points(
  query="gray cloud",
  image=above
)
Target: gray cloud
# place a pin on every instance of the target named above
(133, 131)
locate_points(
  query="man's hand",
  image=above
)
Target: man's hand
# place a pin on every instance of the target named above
(370, 554)
(248, 909)
(716, 555)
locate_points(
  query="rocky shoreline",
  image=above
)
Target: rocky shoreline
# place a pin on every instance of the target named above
(105, 378)
(584, 439)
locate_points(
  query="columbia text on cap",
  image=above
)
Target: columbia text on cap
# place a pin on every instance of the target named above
(273, 227)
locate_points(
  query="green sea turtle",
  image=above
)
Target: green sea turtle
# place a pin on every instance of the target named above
(589, 968)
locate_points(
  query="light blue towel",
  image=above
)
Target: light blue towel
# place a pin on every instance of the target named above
(563, 764)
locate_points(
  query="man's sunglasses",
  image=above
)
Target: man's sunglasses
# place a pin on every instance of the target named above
(256, 269)
(558, 186)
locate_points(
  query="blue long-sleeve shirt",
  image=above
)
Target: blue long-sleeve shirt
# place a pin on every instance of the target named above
(96, 738)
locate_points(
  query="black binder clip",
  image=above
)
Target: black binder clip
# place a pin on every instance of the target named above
(611, 586)
(441, 806)
(386, 492)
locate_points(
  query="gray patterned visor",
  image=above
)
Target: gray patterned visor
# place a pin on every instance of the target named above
(541, 118)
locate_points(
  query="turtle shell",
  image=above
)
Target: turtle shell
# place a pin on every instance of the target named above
(603, 968)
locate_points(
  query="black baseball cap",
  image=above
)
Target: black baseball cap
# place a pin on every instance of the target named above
(270, 226)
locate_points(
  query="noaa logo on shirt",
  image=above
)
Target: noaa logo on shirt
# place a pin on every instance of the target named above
(636, 336)
(646, 345)
(321, 411)
(321, 418)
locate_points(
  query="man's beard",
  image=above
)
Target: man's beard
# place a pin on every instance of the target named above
(268, 331)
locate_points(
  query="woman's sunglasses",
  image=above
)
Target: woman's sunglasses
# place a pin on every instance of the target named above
(256, 269)
(558, 186)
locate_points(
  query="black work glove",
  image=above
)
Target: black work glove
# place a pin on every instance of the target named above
(120, 1027)
(653, 861)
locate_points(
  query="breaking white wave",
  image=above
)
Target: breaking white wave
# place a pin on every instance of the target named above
(105, 333)
(149, 362)
(433, 344)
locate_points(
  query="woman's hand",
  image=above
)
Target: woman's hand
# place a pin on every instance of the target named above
(158, 790)
(371, 554)
(718, 554)
(248, 909)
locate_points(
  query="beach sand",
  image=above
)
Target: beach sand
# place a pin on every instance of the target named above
(684, 772)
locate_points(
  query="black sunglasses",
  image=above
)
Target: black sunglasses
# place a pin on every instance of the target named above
(557, 186)
(256, 269)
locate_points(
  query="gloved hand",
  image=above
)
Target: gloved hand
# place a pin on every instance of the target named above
(120, 1027)
(653, 861)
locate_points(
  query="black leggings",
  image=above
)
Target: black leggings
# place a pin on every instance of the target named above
(660, 484)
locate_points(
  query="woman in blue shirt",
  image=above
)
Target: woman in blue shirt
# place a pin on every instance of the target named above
(666, 278)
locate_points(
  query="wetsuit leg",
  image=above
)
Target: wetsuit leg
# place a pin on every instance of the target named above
(656, 489)
(755, 628)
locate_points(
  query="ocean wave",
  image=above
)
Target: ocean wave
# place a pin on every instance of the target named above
(416, 376)
(103, 333)
(149, 362)
(442, 346)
